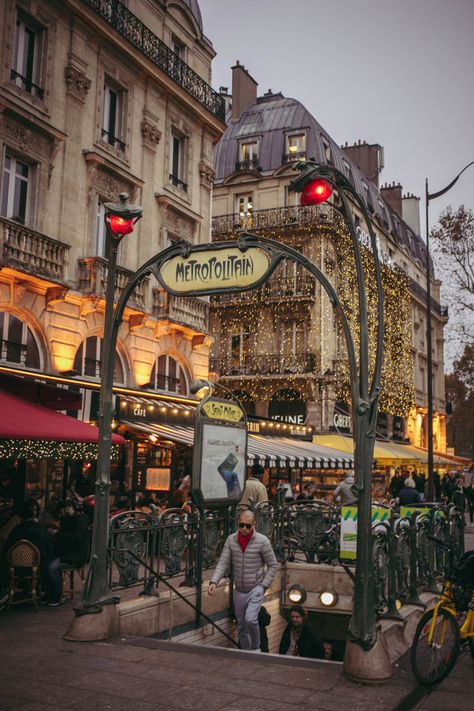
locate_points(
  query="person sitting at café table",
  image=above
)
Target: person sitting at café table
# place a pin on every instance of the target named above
(71, 547)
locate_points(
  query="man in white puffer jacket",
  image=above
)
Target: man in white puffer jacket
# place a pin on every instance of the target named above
(254, 566)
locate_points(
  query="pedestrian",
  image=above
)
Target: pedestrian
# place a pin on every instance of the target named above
(255, 490)
(299, 639)
(396, 484)
(469, 495)
(458, 497)
(254, 566)
(343, 492)
(420, 481)
(449, 482)
(408, 495)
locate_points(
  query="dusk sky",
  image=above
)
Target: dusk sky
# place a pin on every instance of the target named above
(399, 73)
(395, 72)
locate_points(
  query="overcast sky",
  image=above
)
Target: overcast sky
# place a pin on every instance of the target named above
(395, 72)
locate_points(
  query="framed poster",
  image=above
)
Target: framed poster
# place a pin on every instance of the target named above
(223, 462)
(220, 451)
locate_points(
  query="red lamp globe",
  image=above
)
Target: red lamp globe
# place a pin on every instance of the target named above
(315, 192)
(120, 226)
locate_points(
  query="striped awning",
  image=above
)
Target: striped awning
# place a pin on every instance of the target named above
(268, 451)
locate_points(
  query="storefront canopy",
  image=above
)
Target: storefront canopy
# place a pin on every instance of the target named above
(383, 451)
(267, 451)
(22, 420)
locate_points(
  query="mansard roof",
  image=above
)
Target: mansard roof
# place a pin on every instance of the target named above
(269, 120)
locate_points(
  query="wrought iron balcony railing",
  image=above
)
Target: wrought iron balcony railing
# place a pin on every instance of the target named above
(276, 288)
(273, 364)
(118, 16)
(275, 217)
(249, 164)
(93, 281)
(27, 84)
(289, 157)
(28, 251)
(187, 310)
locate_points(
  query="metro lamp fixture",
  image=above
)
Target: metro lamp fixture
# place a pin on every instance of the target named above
(296, 594)
(328, 598)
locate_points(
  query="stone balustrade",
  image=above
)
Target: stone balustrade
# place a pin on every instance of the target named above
(32, 252)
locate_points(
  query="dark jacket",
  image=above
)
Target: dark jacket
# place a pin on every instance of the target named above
(308, 644)
(408, 496)
(71, 542)
(32, 531)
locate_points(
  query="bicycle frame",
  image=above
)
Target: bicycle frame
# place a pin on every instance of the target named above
(446, 602)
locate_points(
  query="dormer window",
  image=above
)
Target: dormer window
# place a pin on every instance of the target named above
(326, 149)
(295, 147)
(248, 156)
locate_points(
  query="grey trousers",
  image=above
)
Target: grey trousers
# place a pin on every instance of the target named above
(247, 606)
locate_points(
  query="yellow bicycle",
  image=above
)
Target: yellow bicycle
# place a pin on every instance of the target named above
(442, 631)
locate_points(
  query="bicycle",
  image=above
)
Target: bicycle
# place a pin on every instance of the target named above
(442, 631)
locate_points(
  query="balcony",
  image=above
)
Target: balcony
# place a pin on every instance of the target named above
(31, 252)
(285, 217)
(93, 281)
(187, 310)
(274, 364)
(119, 17)
(300, 286)
(290, 157)
(249, 164)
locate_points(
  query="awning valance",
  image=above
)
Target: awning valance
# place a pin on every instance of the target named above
(267, 451)
(22, 420)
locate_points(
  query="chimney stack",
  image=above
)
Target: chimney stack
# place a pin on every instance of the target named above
(244, 90)
(368, 157)
(392, 194)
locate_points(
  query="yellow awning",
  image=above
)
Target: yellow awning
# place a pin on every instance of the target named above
(382, 450)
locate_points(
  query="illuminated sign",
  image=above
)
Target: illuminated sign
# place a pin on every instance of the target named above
(226, 411)
(211, 270)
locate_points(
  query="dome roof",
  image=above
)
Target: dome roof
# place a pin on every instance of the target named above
(194, 8)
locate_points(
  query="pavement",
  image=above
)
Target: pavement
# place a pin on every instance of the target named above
(40, 671)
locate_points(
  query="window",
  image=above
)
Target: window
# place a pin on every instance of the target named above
(168, 374)
(292, 338)
(178, 47)
(248, 156)
(326, 149)
(18, 344)
(244, 208)
(88, 360)
(295, 147)
(177, 161)
(114, 110)
(239, 349)
(16, 189)
(27, 55)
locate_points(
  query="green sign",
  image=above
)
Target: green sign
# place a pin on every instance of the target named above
(349, 528)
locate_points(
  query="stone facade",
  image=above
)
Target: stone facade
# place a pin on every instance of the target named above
(92, 114)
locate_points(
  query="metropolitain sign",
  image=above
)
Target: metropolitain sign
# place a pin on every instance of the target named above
(214, 270)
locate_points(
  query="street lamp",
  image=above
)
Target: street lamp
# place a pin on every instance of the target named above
(120, 219)
(316, 183)
(432, 196)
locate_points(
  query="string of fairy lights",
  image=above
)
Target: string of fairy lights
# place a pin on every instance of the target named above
(297, 326)
(40, 449)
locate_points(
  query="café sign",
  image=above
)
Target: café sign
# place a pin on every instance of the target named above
(215, 270)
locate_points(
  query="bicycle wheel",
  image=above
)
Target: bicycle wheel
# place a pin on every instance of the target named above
(432, 661)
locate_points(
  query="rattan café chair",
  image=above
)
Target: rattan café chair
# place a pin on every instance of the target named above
(23, 561)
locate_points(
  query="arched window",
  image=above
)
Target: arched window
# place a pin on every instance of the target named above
(168, 374)
(18, 344)
(88, 360)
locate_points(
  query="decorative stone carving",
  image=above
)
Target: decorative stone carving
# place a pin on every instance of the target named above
(77, 83)
(23, 138)
(54, 294)
(136, 321)
(19, 291)
(151, 134)
(88, 306)
(206, 173)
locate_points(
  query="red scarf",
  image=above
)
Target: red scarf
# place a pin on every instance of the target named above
(243, 540)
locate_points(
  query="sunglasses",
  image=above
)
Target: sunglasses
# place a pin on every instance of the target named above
(245, 525)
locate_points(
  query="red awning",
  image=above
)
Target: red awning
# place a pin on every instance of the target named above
(23, 420)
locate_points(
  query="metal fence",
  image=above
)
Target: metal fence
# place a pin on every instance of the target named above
(178, 544)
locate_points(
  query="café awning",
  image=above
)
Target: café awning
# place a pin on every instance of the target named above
(267, 451)
(22, 421)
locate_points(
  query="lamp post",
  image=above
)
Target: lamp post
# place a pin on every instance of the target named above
(120, 219)
(316, 183)
(432, 196)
